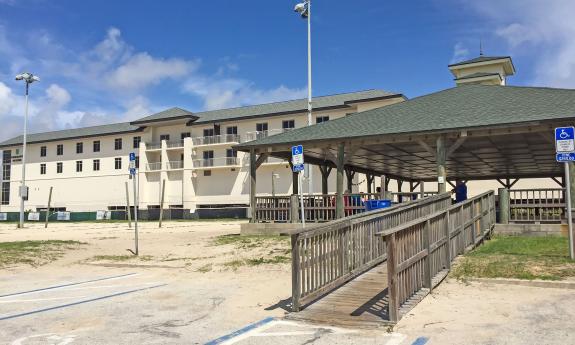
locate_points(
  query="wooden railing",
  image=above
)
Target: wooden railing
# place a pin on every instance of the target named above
(320, 207)
(325, 256)
(420, 250)
(536, 205)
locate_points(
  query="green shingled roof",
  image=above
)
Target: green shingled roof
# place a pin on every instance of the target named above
(456, 108)
(479, 75)
(169, 114)
(115, 128)
(480, 59)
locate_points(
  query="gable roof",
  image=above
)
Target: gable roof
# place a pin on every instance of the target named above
(479, 59)
(479, 75)
(76, 133)
(460, 107)
(169, 114)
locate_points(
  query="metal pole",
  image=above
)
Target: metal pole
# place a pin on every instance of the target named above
(309, 91)
(23, 187)
(48, 208)
(135, 212)
(301, 199)
(162, 202)
(128, 204)
(569, 217)
(273, 185)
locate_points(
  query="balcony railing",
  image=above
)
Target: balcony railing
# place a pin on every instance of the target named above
(156, 166)
(263, 134)
(175, 165)
(216, 162)
(216, 139)
(174, 144)
(153, 146)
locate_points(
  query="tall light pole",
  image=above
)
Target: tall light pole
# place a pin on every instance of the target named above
(28, 78)
(304, 9)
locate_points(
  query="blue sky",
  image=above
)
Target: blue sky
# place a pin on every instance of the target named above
(113, 61)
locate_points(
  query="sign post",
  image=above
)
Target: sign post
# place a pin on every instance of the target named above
(565, 147)
(133, 174)
(298, 167)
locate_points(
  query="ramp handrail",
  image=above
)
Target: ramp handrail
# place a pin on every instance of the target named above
(420, 251)
(326, 256)
(537, 205)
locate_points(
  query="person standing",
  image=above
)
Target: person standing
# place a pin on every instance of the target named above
(460, 191)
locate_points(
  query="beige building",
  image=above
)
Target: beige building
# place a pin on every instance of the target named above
(191, 153)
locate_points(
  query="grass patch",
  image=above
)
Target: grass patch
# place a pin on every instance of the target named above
(519, 257)
(34, 253)
(235, 264)
(121, 258)
(205, 268)
(251, 241)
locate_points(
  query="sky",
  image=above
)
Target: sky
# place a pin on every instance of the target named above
(105, 62)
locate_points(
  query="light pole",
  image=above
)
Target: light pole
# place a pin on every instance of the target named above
(28, 78)
(274, 176)
(304, 9)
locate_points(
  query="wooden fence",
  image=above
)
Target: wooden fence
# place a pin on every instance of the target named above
(325, 256)
(420, 250)
(319, 207)
(537, 205)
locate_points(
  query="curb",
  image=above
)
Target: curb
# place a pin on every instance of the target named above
(531, 283)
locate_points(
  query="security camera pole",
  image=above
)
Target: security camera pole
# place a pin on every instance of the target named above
(28, 78)
(304, 9)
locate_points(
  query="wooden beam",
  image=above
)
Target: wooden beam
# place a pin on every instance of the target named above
(441, 158)
(427, 148)
(513, 183)
(339, 211)
(261, 159)
(558, 181)
(456, 144)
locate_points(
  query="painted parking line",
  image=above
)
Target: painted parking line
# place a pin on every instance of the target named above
(67, 285)
(420, 341)
(7, 317)
(241, 332)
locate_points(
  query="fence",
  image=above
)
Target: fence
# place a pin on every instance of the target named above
(319, 207)
(326, 256)
(537, 205)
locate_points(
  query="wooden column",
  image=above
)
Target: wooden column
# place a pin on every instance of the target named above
(295, 183)
(325, 171)
(339, 191)
(422, 189)
(503, 205)
(253, 168)
(349, 174)
(370, 178)
(441, 169)
(392, 287)
(383, 187)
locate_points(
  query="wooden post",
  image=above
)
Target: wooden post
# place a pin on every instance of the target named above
(383, 187)
(294, 209)
(339, 211)
(503, 205)
(399, 196)
(422, 189)
(162, 202)
(128, 206)
(325, 171)
(392, 288)
(448, 239)
(253, 169)
(48, 208)
(427, 244)
(350, 174)
(295, 183)
(441, 170)
(295, 273)
(370, 178)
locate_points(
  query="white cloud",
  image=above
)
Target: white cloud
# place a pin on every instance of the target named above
(460, 53)
(544, 30)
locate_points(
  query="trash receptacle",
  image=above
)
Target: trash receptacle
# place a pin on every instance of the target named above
(371, 205)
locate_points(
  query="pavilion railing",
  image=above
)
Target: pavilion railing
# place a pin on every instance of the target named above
(420, 250)
(325, 256)
(537, 205)
(319, 207)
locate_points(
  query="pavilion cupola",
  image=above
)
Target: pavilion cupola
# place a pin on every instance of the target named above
(486, 70)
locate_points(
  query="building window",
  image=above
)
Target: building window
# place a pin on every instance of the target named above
(96, 164)
(42, 169)
(207, 173)
(165, 137)
(118, 144)
(5, 193)
(78, 166)
(208, 158)
(137, 141)
(6, 164)
(185, 135)
(96, 146)
(60, 150)
(288, 124)
(321, 119)
(118, 163)
(262, 127)
(231, 153)
(59, 167)
(79, 147)
(233, 130)
(208, 132)
(43, 151)
(137, 162)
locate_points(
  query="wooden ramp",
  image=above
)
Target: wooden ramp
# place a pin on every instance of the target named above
(362, 302)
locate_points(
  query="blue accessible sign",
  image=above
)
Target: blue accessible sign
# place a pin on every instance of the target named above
(132, 156)
(565, 157)
(565, 139)
(297, 158)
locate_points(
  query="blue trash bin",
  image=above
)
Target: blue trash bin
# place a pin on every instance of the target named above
(371, 205)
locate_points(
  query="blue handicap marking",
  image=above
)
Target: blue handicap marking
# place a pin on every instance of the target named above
(298, 168)
(564, 133)
(565, 157)
(132, 156)
(564, 139)
(132, 171)
(297, 150)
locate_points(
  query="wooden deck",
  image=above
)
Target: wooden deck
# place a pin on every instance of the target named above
(362, 302)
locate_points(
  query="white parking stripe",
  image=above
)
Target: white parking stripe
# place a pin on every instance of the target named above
(396, 339)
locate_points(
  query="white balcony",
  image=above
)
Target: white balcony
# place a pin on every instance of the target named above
(156, 166)
(175, 144)
(212, 163)
(216, 140)
(250, 136)
(175, 165)
(153, 146)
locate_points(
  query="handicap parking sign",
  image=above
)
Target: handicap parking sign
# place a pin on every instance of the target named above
(565, 139)
(297, 158)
